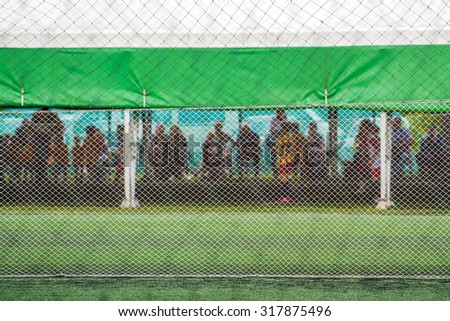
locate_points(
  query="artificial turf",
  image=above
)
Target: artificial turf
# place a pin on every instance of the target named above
(185, 240)
(223, 289)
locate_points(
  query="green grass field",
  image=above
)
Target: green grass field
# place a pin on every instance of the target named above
(222, 289)
(220, 240)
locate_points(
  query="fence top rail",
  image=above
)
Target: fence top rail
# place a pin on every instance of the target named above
(438, 106)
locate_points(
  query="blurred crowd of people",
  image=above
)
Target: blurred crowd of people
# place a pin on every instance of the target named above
(365, 166)
(37, 151)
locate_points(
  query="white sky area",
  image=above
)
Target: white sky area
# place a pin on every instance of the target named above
(227, 23)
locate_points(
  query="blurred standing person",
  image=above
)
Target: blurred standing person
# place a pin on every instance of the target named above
(285, 152)
(92, 149)
(249, 150)
(375, 161)
(299, 147)
(226, 144)
(212, 157)
(119, 156)
(25, 152)
(375, 154)
(402, 142)
(14, 149)
(46, 125)
(275, 132)
(160, 153)
(77, 158)
(177, 152)
(362, 157)
(58, 158)
(431, 158)
(24, 132)
(314, 151)
(6, 141)
(27, 161)
(103, 159)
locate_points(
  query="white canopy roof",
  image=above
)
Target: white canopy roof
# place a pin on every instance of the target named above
(231, 23)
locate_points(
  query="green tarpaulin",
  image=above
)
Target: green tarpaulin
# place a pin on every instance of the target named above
(226, 77)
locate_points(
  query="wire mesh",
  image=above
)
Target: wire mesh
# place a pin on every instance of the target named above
(231, 138)
(223, 192)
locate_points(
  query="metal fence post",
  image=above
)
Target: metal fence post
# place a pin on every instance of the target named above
(130, 157)
(385, 156)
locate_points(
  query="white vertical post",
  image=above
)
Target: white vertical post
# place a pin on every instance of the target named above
(385, 158)
(388, 159)
(144, 98)
(126, 158)
(126, 155)
(134, 129)
(130, 140)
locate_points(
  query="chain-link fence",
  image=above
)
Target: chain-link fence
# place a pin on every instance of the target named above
(219, 192)
(230, 138)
